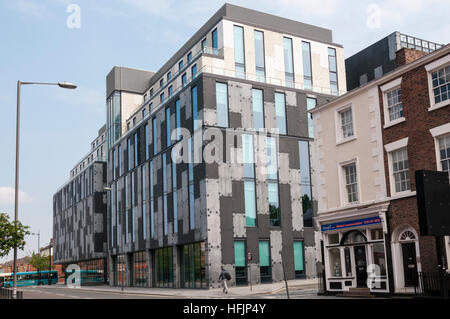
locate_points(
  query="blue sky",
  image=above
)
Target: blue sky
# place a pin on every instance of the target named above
(58, 125)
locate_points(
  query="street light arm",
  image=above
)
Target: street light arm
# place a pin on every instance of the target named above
(64, 84)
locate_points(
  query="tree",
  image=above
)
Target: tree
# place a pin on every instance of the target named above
(12, 234)
(39, 262)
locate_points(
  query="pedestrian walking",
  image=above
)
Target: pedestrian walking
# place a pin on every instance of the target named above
(224, 277)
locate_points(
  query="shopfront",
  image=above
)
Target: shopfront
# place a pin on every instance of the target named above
(355, 254)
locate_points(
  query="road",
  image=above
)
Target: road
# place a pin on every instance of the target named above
(63, 292)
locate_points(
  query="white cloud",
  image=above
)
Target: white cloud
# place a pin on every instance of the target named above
(7, 196)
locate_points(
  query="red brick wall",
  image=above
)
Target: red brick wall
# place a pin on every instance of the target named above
(405, 56)
(421, 152)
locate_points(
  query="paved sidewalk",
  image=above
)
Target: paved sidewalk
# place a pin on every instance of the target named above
(306, 285)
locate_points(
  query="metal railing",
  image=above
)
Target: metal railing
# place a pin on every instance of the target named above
(433, 284)
(6, 293)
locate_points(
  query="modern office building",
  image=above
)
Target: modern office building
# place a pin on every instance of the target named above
(79, 215)
(380, 58)
(208, 157)
(379, 135)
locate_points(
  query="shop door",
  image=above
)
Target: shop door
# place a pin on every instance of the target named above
(361, 266)
(409, 264)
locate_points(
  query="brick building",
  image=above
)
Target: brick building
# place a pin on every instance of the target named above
(379, 134)
(415, 113)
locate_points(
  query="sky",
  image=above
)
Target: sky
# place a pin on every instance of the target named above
(40, 41)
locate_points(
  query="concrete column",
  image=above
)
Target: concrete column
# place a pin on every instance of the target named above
(149, 268)
(128, 267)
(176, 267)
(111, 270)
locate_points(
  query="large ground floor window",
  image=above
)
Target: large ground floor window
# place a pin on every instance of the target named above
(164, 267)
(299, 261)
(140, 270)
(240, 262)
(91, 272)
(120, 271)
(194, 265)
(264, 261)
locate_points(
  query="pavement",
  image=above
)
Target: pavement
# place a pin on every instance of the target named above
(300, 288)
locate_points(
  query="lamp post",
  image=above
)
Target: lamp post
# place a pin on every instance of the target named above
(39, 254)
(64, 85)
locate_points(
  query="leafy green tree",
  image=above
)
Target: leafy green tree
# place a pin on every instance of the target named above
(12, 234)
(39, 262)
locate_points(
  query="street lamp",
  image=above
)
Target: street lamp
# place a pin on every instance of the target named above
(64, 85)
(39, 254)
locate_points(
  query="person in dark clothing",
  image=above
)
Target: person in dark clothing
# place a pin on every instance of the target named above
(224, 277)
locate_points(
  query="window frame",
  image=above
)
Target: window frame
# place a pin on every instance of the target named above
(340, 139)
(385, 89)
(430, 68)
(438, 133)
(389, 148)
(343, 184)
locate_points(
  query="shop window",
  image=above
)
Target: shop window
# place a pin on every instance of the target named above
(348, 262)
(376, 234)
(240, 263)
(333, 239)
(140, 269)
(194, 265)
(354, 237)
(264, 261)
(299, 263)
(379, 257)
(335, 262)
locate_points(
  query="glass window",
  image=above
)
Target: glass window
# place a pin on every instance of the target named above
(333, 71)
(136, 150)
(215, 41)
(170, 91)
(129, 153)
(348, 262)
(258, 109)
(155, 136)
(310, 104)
(161, 83)
(174, 197)
(240, 262)
(351, 183)
(194, 71)
(178, 116)
(168, 128)
(335, 262)
(113, 165)
(347, 123)
(280, 110)
(250, 204)
(127, 206)
(379, 257)
(164, 267)
(164, 169)
(133, 202)
(239, 58)
(395, 107)
(194, 265)
(444, 152)
(305, 184)
(264, 261)
(274, 207)
(140, 269)
(288, 62)
(191, 185)
(376, 234)
(144, 201)
(189, 57)
(161, 98)
(259, 56)
(152, 209)
(222, 104)
(248, 160)
(169, 76)
(333, 239)
(307, 70)
(183, 80)
(194, 108)
(299, 262)
(204, 45)
(146, 142)
(441, 84)
(400, 170)
(180, 65)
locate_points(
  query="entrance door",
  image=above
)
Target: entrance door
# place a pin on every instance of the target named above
(361, 266)
(409, 264)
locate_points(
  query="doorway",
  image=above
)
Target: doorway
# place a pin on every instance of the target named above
(361, 266)
(409, 264)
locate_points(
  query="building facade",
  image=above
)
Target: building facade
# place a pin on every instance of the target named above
(79, 216)
(380, 58)
(208, 158)
(384, 132)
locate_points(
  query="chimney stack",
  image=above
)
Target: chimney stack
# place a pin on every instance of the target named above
(405, 56)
